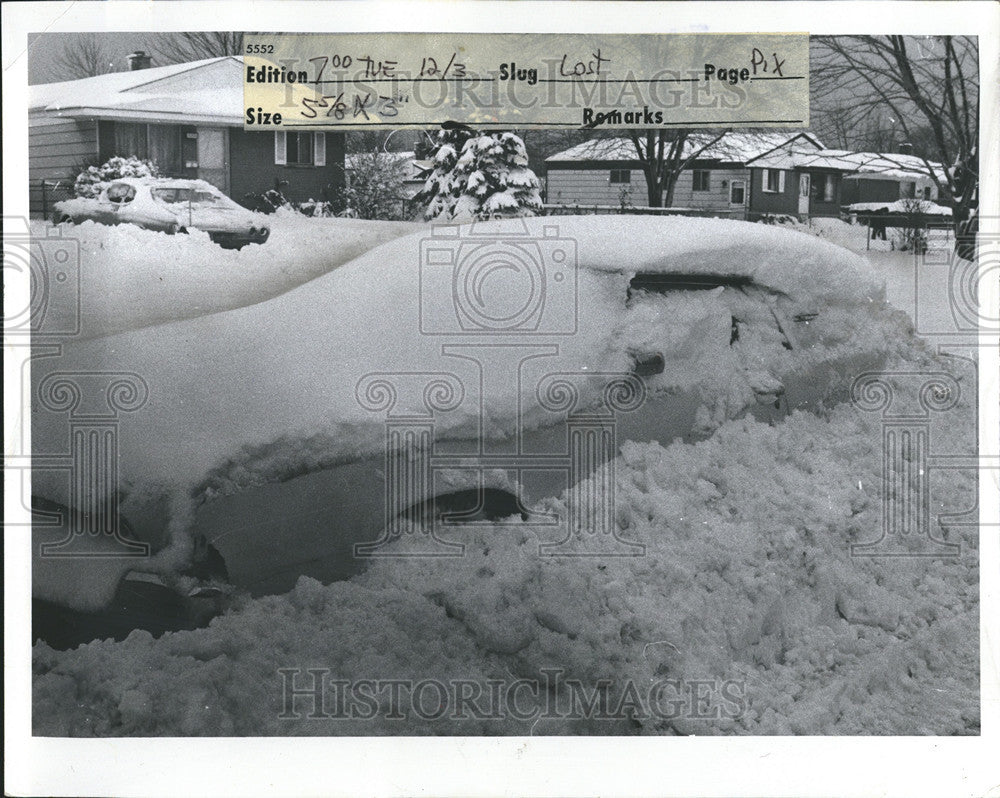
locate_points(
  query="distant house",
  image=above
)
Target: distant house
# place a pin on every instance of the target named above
(887, 177)
(743, 175)
(187, 118)
(798, 178)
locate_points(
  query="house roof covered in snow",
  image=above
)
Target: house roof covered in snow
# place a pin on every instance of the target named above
(197, 91)
(733, 147)
(870, 165)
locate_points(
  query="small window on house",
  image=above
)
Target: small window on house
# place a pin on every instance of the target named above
(621, 176)
(737, 192)
(909, 190)
(299, 148)
(927, 192)
(823, 188)
(702, 180)
(773, 181)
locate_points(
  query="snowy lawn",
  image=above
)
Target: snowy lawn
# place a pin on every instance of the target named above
(747, 587)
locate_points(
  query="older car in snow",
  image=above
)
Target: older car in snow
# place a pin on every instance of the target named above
(171, 206)
(449, 377)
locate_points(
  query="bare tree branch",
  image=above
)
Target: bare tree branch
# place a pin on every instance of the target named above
(83, 56)
(177, 48)
(929, 84)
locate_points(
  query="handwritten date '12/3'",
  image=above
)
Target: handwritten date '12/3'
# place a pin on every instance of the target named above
(373, 69)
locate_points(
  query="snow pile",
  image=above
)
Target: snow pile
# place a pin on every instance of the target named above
(269, 391)
(132, 278)
(747, 587)
(903, 206)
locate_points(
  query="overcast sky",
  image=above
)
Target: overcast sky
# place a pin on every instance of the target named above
(44, 50)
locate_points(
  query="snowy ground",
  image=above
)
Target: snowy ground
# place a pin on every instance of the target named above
(746, 615)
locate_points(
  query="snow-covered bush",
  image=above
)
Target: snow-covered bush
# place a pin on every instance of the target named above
(374, 188)
(92, 180)
(911, 235)
(480, 176)
(266, 201)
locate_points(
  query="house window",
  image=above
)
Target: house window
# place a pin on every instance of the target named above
(299, 149)
(621, 176)
(702, 180)
(823, 188)
(773, 181)
(737, 192)
(909, 190)
(927, 192)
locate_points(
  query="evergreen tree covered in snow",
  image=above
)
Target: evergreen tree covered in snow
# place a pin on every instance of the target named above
(480, 176)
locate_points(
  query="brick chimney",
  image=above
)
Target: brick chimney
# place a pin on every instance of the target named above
(905, 148)
(139, 60)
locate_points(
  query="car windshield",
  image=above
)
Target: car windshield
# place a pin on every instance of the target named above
(198, 198)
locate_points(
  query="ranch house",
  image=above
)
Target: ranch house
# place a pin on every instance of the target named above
(187, 118)
(743, 175)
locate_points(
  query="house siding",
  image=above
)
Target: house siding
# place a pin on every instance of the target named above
(861, 190)
(717, 196)
(593, 186)
(253, 170)
(58, 148)
(763, 203)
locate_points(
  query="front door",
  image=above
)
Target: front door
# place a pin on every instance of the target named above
(189, 151)
(737, 194)
(212, 157)
(803, 195)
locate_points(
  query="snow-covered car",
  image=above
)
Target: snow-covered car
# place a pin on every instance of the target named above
(447, 376)
(171, 206)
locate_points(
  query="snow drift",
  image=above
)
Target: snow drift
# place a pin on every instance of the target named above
(133, 278)
(747, 580)
(269, 391)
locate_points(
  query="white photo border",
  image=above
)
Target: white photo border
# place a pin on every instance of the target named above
(774, 766)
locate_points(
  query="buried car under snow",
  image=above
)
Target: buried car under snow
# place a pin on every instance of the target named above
(442, 379)
(171, 206)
